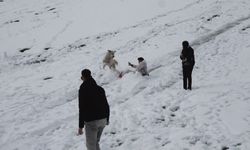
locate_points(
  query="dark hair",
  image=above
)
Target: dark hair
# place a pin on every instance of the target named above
(185, 44)
(86, 73)
(140, 59)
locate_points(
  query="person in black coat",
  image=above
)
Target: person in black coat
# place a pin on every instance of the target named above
(188, 61)
(93, 110)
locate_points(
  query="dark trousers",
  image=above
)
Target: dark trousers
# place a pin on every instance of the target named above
(187, 77)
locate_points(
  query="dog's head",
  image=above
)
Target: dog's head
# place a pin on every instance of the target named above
(111, 53)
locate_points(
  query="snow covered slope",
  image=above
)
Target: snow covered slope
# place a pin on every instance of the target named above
(44, 44)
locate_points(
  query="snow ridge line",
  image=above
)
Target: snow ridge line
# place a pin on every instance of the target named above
(223, 29)
(45, 56)
(101, 37)
(207, 38)
(60, 32)
(162, 15)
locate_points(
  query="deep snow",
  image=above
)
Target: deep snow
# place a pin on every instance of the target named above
(44, 44)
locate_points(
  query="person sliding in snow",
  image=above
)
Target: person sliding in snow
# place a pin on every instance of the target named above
(93, 110)
(188, 61)
(141, 67)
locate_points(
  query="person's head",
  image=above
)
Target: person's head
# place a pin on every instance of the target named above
(140, 59)
(86, 74)
(185, 44)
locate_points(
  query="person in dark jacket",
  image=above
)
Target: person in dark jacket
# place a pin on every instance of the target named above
(93, 110)
(188, 61)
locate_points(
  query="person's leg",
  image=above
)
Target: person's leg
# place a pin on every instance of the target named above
(93, 132)
(190, 77)
(91, 135)
(122, 73)
(99, 133)
(119, 73)
(189, 81)
(184, 78)
(101, 125)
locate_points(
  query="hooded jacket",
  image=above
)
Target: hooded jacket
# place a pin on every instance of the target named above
(187, 56)
(93, 104)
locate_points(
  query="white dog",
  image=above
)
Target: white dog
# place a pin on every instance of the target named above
(110, 61)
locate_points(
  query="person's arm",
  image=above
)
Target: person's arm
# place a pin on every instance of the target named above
(81, 124)
(192, 57)
(108, 114)
(81, 121)
(80, 131)
(132, 65)
(107, 105)
(103, 102)
(182, 56)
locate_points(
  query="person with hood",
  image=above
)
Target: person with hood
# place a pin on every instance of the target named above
(188, 61)
(93, 110)
(141, 67)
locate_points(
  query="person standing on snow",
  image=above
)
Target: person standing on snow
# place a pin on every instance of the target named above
(141, 67)
(93, 110)
(188, 61)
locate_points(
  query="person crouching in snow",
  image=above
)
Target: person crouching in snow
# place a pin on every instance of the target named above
(141, 67)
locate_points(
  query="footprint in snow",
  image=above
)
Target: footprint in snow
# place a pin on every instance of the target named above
(174, 108)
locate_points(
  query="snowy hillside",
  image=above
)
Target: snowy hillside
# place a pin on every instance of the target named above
(44, 45)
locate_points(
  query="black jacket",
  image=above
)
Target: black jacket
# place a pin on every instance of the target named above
(93, 104)
(187, 56)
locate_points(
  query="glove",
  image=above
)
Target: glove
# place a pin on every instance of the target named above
(130, 64)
